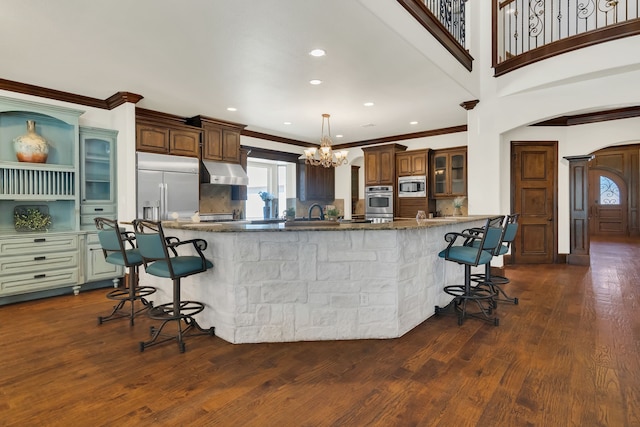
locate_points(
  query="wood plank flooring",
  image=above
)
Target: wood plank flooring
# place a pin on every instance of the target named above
(568, 354)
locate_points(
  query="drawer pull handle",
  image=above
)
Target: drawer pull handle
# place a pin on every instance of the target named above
(40, 258)
(39, 276)
(99, 209)
(40, 240)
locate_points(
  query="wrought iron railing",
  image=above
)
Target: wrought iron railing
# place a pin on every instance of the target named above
(450, 13)
(445, 20)
(526, 25)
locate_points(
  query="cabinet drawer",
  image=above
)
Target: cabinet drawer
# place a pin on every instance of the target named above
(87, 221)
(38, 263)
(32, 282)
(38, 244)
(97, 209)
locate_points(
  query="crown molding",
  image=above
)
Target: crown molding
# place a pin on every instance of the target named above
(110, 103)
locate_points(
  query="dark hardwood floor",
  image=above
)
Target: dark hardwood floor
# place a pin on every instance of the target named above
(568, 354)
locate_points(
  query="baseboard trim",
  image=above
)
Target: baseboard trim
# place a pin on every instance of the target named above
(574, 259)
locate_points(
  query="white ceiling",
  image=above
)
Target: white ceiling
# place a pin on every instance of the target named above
(195, 57)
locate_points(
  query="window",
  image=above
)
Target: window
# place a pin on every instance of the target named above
(275, 177)
(609, 192)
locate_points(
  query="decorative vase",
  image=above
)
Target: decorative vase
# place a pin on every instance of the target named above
(31, 147)
(457, 212)
(266, 211)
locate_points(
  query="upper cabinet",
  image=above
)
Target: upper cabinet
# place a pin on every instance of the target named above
(411, 163)
(220, 140)
(97, 175)
(449, 172)
(50, 185)
(165, 134)
(380, 164)
(315, 182)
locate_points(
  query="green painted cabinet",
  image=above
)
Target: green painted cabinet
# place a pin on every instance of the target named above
(53, 184)
(98, 192)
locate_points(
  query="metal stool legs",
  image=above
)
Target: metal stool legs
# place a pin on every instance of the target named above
(494, 284)
(177, 311)
(464, 295)
(129, 295)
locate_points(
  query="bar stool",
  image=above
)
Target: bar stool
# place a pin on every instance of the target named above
(495, 282)
(160, 258)
(114, 241)
(472, 255)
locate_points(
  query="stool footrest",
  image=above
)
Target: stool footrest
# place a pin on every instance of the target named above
(130, 296)
(125, 294)
(192, 329)
(167, 311)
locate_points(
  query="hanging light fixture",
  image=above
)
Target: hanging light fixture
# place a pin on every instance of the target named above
(325, 156)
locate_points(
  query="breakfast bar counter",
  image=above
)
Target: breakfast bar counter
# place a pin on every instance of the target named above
(275, 283)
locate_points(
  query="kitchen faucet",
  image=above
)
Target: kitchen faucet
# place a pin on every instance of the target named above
(311, 209)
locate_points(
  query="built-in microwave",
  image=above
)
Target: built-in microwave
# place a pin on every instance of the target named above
(412, 186)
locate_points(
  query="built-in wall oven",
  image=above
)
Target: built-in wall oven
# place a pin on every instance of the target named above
(412, 186)
(379, 203)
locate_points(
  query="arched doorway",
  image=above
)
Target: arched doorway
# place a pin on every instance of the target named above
(608, 203)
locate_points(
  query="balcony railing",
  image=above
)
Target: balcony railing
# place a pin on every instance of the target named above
(529, 30)
(450, 13)
(445, 20)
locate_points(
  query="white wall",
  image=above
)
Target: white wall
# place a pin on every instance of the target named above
(601, 77)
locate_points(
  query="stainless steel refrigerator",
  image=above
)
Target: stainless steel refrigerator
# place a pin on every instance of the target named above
(167, 184)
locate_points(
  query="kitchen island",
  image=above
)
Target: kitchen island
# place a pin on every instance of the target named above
(274, 283)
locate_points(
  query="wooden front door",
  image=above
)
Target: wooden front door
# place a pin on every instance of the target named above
(534, 197)
(608, 209)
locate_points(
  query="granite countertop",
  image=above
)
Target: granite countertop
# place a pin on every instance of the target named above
(243, 226)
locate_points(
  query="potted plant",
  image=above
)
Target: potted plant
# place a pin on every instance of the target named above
(457, 205)
(332, 213)
(290, 213)
(31, 218)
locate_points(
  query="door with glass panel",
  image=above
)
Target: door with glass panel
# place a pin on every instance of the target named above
(608, 208)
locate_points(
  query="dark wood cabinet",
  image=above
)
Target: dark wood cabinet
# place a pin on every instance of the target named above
(315, 182)
(408, 207)
(166, 134)
(380, 164)
(220, 140)
(411, 163)
(449, 172)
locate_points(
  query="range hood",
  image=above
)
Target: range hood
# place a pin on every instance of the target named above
(222, 173)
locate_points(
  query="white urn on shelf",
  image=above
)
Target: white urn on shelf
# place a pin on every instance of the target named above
(31, 147)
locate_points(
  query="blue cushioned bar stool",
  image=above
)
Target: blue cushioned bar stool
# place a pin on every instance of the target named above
(161, 259)
(496, 282)
(462, 250)
(118, 249)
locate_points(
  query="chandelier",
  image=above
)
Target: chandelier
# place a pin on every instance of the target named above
(325, 156)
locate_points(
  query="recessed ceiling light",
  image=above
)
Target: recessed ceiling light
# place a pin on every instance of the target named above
(368, 104)
(232, 109)
(338, 136)
(317, 52)
(287, 123)
(315, 82)
(413, 123)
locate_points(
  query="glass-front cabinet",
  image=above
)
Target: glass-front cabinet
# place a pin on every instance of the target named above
(97, 175)
(449, 172)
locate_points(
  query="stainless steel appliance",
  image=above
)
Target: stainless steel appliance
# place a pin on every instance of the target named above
(412, 186)
(167, 184)
(379, 203)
